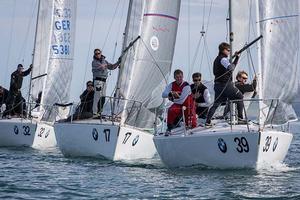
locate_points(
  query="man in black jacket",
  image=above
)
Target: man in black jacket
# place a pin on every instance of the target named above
(201, 96)
(224, 87)
(241, 79)
(3, 95)
(243, 86)
(85, 109)
(15, 100)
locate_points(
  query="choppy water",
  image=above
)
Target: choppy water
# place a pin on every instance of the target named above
(31, 174)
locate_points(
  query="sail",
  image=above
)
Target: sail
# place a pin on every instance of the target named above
(147, 64)
(53, 54)
(41, 51)
(241, 19)
(279, 25)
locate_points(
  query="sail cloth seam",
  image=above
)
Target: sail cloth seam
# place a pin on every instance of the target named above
(160, 15)
(279, 17)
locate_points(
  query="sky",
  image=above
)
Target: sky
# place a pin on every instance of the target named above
(100, 24)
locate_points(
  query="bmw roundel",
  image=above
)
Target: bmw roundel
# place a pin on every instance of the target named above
(222, 145)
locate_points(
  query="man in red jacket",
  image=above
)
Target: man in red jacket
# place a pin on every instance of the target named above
(179, 92)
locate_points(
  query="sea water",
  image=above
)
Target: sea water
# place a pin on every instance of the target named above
(26, 173)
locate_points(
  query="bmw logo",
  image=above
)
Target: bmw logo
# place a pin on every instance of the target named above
(16, 130)
(222, 145)
(95, 134)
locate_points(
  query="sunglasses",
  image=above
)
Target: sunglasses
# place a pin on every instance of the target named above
(97, 53)
(228, 49)
(196, 80)
(245, 78)
(90, 86)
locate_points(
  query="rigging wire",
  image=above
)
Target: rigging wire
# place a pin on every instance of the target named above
(189, 36)
(90, 44)
(23, 46)
(10, 40)
(203, 32)
(110, 25)
(119, 30)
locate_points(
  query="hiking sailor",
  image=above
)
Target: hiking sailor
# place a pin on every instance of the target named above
(100, 69)
(15, 100)
(224, 87)
(179, 92)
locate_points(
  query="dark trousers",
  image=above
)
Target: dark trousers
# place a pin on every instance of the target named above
(15, 103)
(223, 92)
(202, 112)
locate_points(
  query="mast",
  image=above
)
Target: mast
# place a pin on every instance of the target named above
(260, 92)
(34, 47)
(125, 38)
(230, 55)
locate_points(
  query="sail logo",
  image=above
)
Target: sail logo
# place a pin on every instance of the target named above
(154, 43)
(222, 145)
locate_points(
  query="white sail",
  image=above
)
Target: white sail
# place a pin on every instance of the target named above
(54, 54)
(41, 51)
(241, 19)
(279, 25)
(148, 63)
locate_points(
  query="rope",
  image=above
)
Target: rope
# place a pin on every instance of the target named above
(90, 42)
(204, 30)
(110, 25)
(22, 49)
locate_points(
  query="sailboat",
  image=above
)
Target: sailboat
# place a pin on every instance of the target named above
(50, 77)
(258, 143)
(124, 130)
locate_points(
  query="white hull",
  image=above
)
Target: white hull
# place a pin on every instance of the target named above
(18, 132)
(88, 138)
(220, 147)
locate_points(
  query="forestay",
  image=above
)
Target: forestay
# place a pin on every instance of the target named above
(279, 25)
(53, 56)
(147, 64)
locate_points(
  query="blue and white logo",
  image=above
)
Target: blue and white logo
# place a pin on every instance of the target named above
(222, 145)
(16, 130)
(95, 134)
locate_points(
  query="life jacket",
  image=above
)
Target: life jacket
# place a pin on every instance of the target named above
(200, 89)
(178, 88)
(222, 75)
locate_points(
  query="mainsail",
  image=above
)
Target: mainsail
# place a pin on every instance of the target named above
(147, 64)
(279, 25)
(53, 55)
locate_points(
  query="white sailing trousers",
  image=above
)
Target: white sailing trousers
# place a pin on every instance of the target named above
(100, 91)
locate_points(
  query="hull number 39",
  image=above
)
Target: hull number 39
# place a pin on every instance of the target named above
(242, 144)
